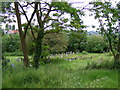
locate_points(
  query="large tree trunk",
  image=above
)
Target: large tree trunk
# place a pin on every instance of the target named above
(25, 53)
(23, 42)
(38, 48)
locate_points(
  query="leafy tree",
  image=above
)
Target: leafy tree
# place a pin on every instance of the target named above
(45, 20)
(56, 42)
(108, 17)
(96, 43)
(10, 43)
(7, 11)
(77, 40)
(58, 21)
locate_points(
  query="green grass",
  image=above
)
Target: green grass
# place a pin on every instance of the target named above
(61, 74)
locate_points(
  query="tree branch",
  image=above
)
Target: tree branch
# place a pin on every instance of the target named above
(36, 6)
(40, 12)
(39, 19)
(47, 26)
(110, 43)
(27, 20)
(47, 14)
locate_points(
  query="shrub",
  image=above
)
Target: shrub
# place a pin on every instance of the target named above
(109, 53)
(56, 42)
(96, 43)
(16, 53)
(84, 52)
(76, 40)
(10, 43)
(4, 61)
(105, 64)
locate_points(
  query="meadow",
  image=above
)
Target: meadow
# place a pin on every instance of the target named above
(61, 73)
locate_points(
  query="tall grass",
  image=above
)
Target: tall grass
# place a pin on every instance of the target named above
(60, 74)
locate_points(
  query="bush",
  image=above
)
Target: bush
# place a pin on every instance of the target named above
(105, 64)
(56, 42)
(110, 53)
(4, 61)
(16, 53)
(10, 43)
(96, 43)
(76, 41)
(84, 52)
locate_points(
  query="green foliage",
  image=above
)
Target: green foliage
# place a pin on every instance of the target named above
(108, 16)
(56, 42)
(30, 43)
(10, 43)
(84, 52)
(60, 74)
(4, 61)
(6, 9)
(15, 53)
(105, 64)
(45, 53)
(76, 41)
(65, 7)
(109, 53)
(96, 43)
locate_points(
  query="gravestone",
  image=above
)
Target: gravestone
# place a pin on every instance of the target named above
(48, 59)
(12, 65)
(19, 59)
(8, 60)
(61, 56)
(69, 59)
(71, 52)
(66, 59)
(66, 54)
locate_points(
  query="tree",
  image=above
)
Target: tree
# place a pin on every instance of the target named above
(7, 11)
(96, 43)
(23, 42)
(10, 43)
(56, 42)
(57, 21)
(76, 41)
(45, 19)
(108, 17)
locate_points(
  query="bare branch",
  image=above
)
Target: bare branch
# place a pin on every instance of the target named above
(27, 21)
(40, 11)
(47, 26)
(39, 18)
(36, 6)
(47, 14)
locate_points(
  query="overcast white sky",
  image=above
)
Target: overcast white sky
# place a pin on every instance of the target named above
(88, 20)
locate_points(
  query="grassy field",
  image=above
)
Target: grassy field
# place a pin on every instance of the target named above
(59, 73)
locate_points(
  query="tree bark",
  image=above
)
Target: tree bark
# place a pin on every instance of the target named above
(38, 48)
(38, 40)
(23, 42)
